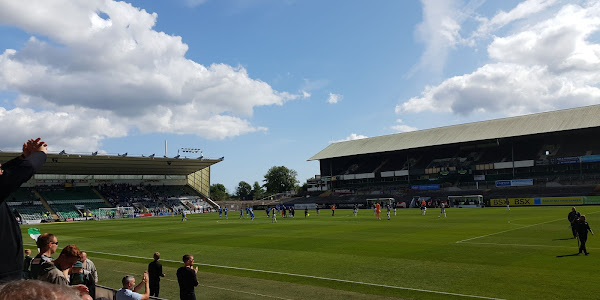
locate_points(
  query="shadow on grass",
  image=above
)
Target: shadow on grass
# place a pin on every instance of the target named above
(576, 254)
(564, 239)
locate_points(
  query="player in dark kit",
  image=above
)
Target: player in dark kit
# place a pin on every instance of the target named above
(582, 228)
(573, 217)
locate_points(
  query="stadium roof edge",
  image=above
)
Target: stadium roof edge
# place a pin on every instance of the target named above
(544, 122)
(75, 164)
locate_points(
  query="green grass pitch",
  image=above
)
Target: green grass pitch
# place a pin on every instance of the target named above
(475, 253)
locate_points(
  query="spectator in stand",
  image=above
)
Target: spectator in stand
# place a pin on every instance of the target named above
(54, 271)
(27, 264)
(155, 272)
(80, 276)
(89, 266)
(38, 290)
(12, 174)
(129, 290)
(47, 243)
(186, 277)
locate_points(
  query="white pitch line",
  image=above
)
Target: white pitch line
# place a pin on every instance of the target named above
(243, 292)
(478, 237)
(525, 245)
(312, 277)
(221, 288)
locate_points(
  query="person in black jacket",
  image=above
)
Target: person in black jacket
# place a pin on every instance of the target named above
(573, 216)
(155, 272)
(186, 277)
(12, 174)
(582, 228)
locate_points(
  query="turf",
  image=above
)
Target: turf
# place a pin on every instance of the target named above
(524, 253)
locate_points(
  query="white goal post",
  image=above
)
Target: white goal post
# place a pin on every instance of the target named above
(116, 212)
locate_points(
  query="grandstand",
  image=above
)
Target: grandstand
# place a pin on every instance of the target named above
(539, 155)
(75, 187)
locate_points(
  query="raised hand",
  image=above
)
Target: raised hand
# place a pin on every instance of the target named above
(32, 146)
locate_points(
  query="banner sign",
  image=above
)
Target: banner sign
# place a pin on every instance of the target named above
(559, 201)
(425, 187)
(590, 158)
(565, 160)
(514, 182)
(479, 177)
(591, 199)
(512, 201)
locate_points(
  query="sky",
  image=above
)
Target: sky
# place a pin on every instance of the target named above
(268, 83)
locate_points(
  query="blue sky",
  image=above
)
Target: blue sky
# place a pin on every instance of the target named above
(272, 82)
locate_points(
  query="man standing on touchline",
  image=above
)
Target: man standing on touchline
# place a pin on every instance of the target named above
(186, 277)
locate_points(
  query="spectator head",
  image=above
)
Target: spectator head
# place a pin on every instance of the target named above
(68, 257)
(27, 252)
(128, 282)
(37, 289)
(188, 259)
(156, 255)
(77, 267)
(83, 256)
(47, 242)
(582, 218)
(573, 208)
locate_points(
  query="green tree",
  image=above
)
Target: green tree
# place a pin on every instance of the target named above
(257, 191)
(243, 190)
(280, 179)
(218, 192)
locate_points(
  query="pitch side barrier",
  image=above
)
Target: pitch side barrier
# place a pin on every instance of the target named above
(111, 294)
(543, 201)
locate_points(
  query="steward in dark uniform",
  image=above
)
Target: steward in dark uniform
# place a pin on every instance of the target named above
(573, 217)
(582, 228)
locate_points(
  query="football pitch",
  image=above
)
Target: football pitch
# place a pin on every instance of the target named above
(474, 253)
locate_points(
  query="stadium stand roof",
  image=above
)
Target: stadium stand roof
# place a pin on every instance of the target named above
(546, 122)
(75, 164)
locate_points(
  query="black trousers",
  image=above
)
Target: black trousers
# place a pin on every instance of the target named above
(582, 241)
(187, 296)
(154, 289)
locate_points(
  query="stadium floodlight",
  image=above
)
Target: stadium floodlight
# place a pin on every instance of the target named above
(94, 153)
(122, 155)
(62, 152)
(176, 157)
(152, 156)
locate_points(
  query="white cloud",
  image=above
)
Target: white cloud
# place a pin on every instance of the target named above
(439, 31)
(351, 137)
(305, 94)
(521, 11)
(401, 127)
(546, 65)
(103, 58)
(334, 98)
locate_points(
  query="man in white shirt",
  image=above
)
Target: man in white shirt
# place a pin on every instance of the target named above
(129, 290)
